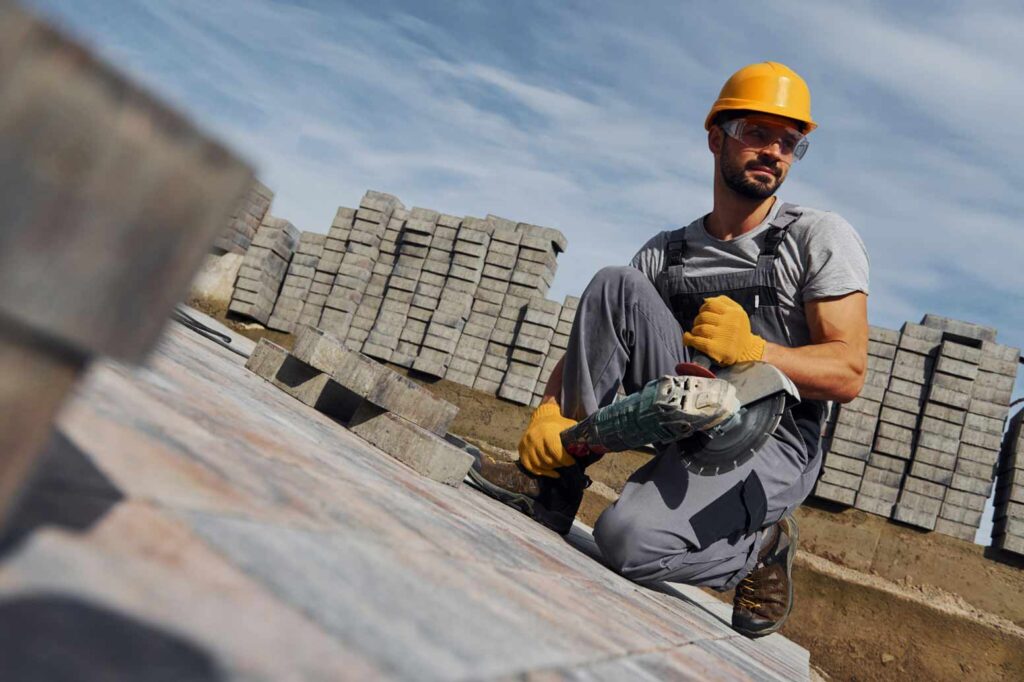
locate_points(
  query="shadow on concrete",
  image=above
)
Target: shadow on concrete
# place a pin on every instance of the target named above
(1004, 557)
(67, 491)
(58, 638)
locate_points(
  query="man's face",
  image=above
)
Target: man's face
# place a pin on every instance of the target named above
(751, 172)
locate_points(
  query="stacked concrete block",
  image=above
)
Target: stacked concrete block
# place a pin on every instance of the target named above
(852, 427)
(529, 349)
(388, 297)
(327, 266)
(411, 283)
(536, 262)
(1008, 516)
(945, 397)
(981, 439)
(382, 407)
(362, 250)
(245, 221)
(502, 317)
(298, 282)
(559, 344)
(263, 269)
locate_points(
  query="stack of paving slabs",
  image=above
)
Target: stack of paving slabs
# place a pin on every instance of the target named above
(327, 266)
(298, 282)
(530, 348)
(559, 344)
(1008, 524)
(263, 269)
(362, 251)
(384, 309)
(980, 441)
(384, 408)
(248, 215)
(851, 428)
(416, 254)
(500, 315)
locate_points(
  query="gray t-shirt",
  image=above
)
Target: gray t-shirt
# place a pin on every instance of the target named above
(822, 256)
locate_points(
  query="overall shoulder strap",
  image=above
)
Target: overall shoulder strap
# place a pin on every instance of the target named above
(675, 250)
(778, 228)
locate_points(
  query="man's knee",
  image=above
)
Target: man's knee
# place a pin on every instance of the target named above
(628, 545)
(618, 278)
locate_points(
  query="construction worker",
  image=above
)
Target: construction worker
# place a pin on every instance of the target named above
(755, 279)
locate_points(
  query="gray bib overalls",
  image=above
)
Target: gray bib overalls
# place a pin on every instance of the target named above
(669, 524)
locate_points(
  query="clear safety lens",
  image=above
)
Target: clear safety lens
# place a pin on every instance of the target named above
(758, 134)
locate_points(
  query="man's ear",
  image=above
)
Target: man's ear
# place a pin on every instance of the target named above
(716, 136)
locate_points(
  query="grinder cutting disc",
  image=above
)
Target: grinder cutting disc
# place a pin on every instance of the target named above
(764, 393)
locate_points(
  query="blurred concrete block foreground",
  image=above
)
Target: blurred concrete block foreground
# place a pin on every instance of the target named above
(195, 520)
(110, 201)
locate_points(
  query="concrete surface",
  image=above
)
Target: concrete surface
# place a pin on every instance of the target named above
(197, 522)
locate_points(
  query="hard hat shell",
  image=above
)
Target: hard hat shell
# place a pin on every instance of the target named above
(769, 87)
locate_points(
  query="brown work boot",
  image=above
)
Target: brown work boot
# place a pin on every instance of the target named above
(764, 598)
(552, 502)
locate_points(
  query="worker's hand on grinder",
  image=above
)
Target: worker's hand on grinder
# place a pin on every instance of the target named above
(540, 448)
(722, 332)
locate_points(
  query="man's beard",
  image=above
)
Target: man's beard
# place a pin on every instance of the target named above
(737, 181)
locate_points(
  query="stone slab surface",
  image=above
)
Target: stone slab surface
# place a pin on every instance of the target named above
(258, 539)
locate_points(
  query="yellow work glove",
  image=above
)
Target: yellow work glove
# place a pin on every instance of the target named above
(540, 448)
(722, 332)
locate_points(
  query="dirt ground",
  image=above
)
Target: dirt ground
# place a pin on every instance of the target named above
(857, 626)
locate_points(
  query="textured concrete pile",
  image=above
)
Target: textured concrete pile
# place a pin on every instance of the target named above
(921, 442)
(379, 405)
(449, 297)
(245, 221)
(1008, 527)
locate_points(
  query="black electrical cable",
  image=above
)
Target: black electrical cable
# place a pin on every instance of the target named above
(198, 327)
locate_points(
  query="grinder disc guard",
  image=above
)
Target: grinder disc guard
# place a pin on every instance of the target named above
(764, 392)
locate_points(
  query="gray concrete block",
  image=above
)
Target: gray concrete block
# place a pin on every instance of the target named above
(920, 486)
(937, 458)
(834, 493)
(849, 448)
(881, 460)
(883, 335)
(968, 517)
(931, 473)
(957, 530)
(893, 432)
(881, 350)
(909, 389)
(919, 345)
(967, 330)
(984, 424)
(974, 453)
(940, 428)
(879, 364)
(515, 395)
(977, 470)
(936, 442)
(990, 441)
(917, 375)
(970, 484)
(853, 434)
(850, 465)
(959, 368)
(948, 397)
(878, 491)
(966, 500)
(533, 344)
(873, 505)
(423, 451)
(902, 402)
(883, 477)
(890, 415)
(992, 410)
(947, 414)
(527, 357)
(299, 380)
(856, 420)
(951, 382)
(914, 512)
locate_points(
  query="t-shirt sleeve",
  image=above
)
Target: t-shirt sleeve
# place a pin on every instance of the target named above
(650, 259)
(837, 260)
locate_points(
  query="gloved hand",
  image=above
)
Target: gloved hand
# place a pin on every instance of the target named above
(722, 332)
(540, 448)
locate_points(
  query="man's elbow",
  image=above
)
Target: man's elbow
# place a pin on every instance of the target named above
(852, 381)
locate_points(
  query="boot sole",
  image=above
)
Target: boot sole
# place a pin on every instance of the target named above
(518, 501)
(791, 556)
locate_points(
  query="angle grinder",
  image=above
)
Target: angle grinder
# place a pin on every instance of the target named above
(654, 416)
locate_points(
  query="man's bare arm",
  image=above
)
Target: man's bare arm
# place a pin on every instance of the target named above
(833, 366)
(553, 389)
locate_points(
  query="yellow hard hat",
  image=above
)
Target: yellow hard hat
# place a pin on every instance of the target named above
(769, 87)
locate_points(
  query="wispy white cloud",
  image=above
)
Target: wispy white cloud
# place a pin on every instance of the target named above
(588, 118)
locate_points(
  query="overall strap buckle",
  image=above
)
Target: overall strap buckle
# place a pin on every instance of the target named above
(777, 231)
(676, 250)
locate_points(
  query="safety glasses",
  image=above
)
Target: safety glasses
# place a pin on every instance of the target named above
(760, 133)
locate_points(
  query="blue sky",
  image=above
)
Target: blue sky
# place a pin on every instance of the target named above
(587, 116)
